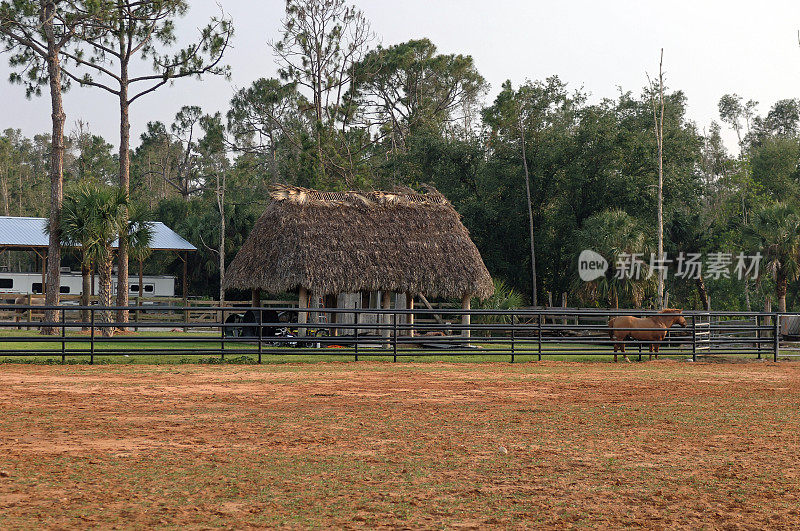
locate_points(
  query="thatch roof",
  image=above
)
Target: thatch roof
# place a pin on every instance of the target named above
(344, 242)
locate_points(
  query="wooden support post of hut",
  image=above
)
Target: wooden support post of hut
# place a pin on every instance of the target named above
(410, 316)
(313, 315)
(331, 301)
(302, 314)
(386, 319)
(255, 297)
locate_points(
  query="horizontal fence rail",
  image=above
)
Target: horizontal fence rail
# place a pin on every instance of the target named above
(78, 332)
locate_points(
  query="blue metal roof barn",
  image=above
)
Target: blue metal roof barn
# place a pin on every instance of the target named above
(30, 232)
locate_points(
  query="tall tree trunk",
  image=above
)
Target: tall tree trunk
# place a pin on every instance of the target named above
(124, 185)
(780, 290)
(534, 294)
(658, 126)
(56, 178)
(701, 290)
(661, 182)
(6, 208)
(221, 205)
(747, 293)
(86, 290)
(104, 268)
(19, 196)
(4, 186)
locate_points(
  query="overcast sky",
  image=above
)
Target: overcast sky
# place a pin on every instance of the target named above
(711, 48)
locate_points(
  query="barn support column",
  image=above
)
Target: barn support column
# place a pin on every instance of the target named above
(302, 317)
(41, 258)
(44, 270)
(185, 279)
(466, 303)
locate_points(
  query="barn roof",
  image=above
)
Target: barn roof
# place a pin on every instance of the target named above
(27, 233)
(344, 242)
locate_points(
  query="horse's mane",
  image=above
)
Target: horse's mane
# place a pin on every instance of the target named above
(667, 314)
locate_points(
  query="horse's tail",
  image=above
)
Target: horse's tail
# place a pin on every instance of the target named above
(611, 327)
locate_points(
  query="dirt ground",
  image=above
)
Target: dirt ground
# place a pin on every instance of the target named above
(430, 445)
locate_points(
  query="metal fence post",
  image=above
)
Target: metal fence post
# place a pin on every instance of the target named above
(777, 338)
(513, 351)
(539, 334)
(63, 335)
(694, 338)
(91, 340)
(355, 332)
(394, 336)
(222, 333)
(758, 335)
(513, 335)
(260, 333)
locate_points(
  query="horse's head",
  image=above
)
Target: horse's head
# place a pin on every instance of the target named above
(677, 319)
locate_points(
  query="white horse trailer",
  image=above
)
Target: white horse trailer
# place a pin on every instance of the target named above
(72, 284)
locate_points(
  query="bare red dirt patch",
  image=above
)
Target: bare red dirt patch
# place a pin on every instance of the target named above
(375, 444)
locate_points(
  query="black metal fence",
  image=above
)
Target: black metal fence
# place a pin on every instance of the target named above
(88, 332)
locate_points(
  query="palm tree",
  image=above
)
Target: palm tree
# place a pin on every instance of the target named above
(140, 234)
(503, 298)
(76, 233)
(93, 217)
(775, 232)
(614, 234)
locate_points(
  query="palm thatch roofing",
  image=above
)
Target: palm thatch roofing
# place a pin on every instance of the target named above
(347, 242)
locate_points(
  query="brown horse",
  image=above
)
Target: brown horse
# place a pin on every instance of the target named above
(624, 327)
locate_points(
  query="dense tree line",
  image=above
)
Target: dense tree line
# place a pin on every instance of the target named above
(346, 112)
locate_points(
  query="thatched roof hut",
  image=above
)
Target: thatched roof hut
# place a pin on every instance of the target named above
(347, 242)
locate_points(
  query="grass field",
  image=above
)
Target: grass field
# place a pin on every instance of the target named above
(660, 444)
